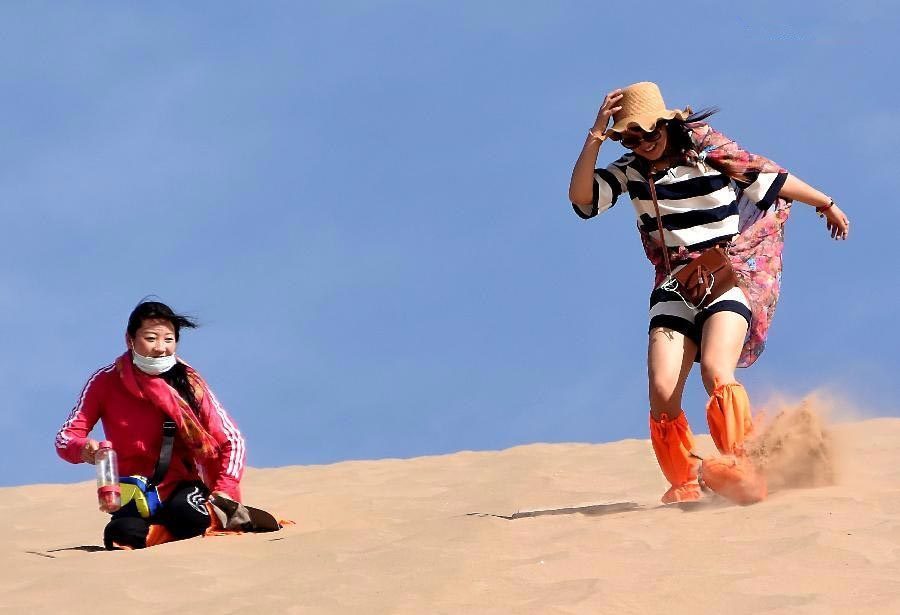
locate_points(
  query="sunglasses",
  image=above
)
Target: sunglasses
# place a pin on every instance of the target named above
(632, 141)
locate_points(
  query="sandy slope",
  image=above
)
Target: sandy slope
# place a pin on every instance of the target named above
(398, 536)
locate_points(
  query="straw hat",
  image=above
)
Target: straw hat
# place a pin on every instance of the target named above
(642, 104)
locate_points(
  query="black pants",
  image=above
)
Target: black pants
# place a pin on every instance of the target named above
(184, 514)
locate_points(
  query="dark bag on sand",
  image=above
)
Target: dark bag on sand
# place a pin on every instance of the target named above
(704, 279)
(231, 516)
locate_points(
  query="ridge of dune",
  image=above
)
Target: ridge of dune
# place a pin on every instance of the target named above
(539, 528)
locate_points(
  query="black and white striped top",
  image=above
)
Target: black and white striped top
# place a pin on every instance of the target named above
(698, 204)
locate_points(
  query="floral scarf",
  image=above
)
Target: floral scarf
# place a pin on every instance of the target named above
(755, 252)
(157, 391)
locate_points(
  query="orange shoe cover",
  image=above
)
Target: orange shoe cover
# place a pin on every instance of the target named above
(688, 492)
(672, 442)
(728, 414)
(158, 535)
(734, 478)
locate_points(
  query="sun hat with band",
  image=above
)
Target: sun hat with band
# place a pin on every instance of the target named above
(643, 106)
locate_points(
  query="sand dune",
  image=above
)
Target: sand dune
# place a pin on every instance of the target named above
(562, 528)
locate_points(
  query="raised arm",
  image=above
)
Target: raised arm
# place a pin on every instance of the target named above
(581, 186)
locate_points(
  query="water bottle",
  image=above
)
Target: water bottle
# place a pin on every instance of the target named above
(107, 478)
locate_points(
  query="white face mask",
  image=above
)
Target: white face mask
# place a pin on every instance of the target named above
(153, 365)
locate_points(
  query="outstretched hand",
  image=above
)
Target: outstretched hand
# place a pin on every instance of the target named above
(837, 222)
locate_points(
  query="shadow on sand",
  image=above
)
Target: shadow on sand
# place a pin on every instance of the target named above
(88, 548)
(85, 548)
(593, 510)
(599, 510)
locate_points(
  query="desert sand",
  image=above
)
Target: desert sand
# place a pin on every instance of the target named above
(543, 528)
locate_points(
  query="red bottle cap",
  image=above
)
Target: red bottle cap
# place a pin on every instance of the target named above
(108, 489)
(105, 444)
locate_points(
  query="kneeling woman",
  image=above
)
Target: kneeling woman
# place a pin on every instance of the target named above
(133, 397)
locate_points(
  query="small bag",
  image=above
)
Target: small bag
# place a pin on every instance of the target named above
(705, 279)
(701, 281)
(139, 496)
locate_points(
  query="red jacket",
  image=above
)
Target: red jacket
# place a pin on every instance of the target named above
(134, 426)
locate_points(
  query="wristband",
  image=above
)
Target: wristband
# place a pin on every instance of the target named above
(821, 210)
(601, 137)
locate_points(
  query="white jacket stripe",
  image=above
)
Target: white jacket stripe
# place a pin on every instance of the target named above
(61, 438)
(236, 458)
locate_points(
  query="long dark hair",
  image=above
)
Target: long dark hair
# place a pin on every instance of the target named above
(177, 377)
(680, 142)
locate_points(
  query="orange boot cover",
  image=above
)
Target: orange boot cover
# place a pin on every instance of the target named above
(733, 475)
(672, 442)
(728, 414)
(158, 535)
(734, 478)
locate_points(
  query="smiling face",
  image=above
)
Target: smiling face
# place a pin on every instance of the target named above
(155, 338)
(648, 145)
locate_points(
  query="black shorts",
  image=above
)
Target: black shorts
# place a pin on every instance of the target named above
(667, 309)
(183, 513)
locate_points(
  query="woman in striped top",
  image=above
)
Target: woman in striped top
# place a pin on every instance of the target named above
(709, 192)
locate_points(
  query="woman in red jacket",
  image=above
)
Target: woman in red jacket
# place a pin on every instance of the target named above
(133, 397)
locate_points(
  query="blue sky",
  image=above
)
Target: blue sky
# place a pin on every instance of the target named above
(364, 203)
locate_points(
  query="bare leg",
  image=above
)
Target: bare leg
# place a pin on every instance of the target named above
(728, 411)
(723, 338)
(670, 356)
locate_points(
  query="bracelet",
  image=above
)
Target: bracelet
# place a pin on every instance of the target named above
(821, 210)
(600, 137)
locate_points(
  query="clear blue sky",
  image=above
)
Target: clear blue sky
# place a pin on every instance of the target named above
(364, 203)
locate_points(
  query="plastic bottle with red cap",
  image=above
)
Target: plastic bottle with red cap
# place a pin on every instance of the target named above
(108, 492)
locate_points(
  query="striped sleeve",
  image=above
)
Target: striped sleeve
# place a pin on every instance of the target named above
(73, 435)
(232, 449)
(757, 177)
(609, 183)
(762, 189)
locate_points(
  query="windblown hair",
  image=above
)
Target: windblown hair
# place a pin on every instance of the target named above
(679, 132)
(177, 377)
(155, 310)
